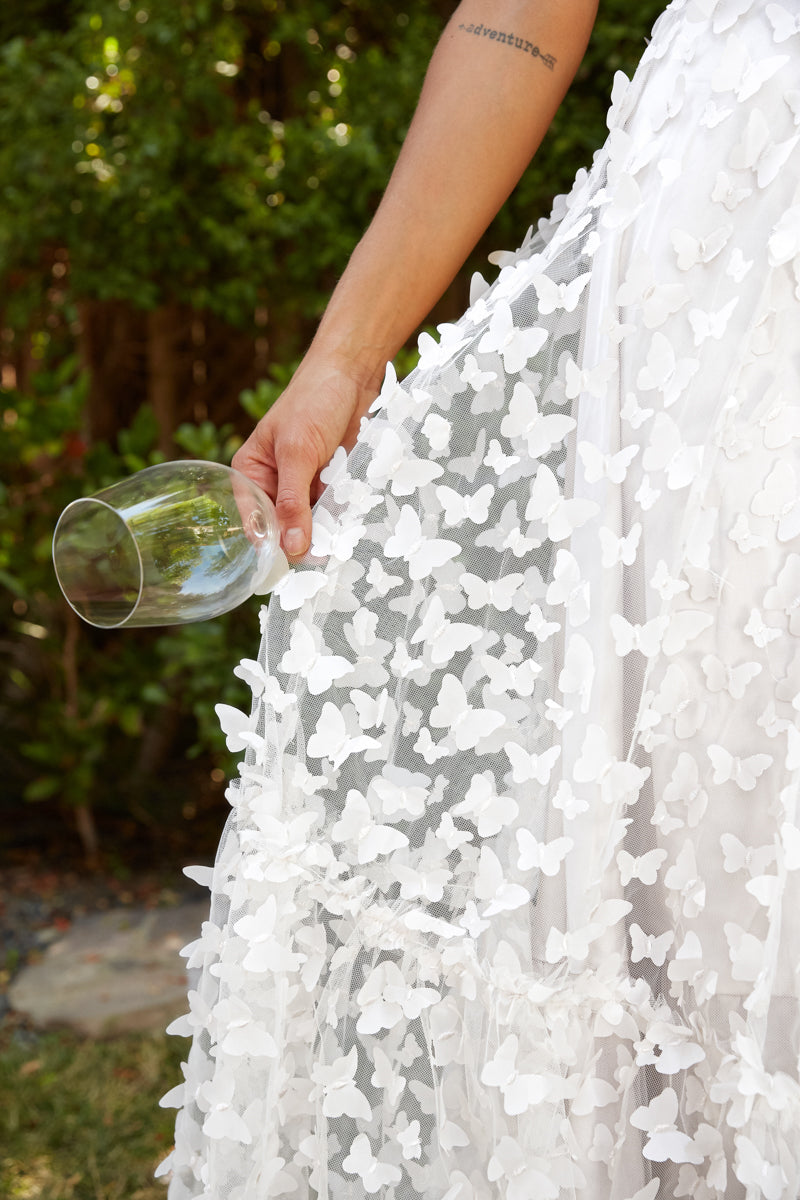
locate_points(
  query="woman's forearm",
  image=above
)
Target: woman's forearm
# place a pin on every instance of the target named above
(493, 85)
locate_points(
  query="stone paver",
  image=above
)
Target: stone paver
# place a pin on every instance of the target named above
(113, 972)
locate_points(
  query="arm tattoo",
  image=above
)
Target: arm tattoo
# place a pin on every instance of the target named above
(510, 39)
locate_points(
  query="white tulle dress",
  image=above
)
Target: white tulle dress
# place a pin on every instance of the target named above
(508, 903)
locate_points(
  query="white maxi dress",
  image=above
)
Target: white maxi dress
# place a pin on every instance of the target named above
(508, 903)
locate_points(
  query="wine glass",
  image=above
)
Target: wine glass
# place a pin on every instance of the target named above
(177, 542)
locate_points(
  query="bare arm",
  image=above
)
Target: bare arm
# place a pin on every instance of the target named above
(493, 85)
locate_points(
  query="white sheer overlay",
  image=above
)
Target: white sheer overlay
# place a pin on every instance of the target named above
(508, 903)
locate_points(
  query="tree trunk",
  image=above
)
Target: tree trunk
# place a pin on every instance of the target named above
(164, 328)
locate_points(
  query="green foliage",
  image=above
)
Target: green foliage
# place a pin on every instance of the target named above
(210, 160)
(76, 700)
(79, 1119)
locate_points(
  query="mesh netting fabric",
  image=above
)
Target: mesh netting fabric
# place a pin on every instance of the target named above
(507, 904)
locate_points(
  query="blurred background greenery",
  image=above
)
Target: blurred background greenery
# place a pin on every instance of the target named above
(181, 182)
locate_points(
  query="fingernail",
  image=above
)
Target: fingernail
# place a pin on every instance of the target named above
(294, 541)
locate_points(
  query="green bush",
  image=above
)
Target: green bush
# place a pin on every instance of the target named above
(180, 185)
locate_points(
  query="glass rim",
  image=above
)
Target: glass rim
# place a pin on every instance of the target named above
(95, 500)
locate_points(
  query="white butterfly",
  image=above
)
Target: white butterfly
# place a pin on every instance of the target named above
(507, 534)
(727, 13)
(677, 699)
(598, 465)
(684, 789)
(427, 883)
(264, 685)
(458, 508)
(633, 413)
(746, 952)
(238, 727)
(485, 808)
(497, 460)
(504, 677)
(526, 767)
(726, 193)
(569, 589)
(707, 325)
(499, 593)
(759, 153)
(761, 633)
(657, 301)
(738, 266)
(664, 372)
(381, 581)
(358, 827)
(623, 201)
(546, 857)
(743, 536)
(492, 885)
(644, 945)
(473, 376)
(332, 739)
(557, 714)
(423, 554)
(744, 772)
(514, 344)
(429, 750)
(760, 1176)
(668, 452)
(722, 677)
(685, 625)
(385, 1077)
(399, 790)
(469, 465)
(646, 494)
(780, 500)
(437, 430)
(215, 1097)
(316, 664)
(520, 1091)
(593, 380)
(468, 725)
(394, 464)
(691, 250)
(785, 24)
(738, 72)
(537, 624)
(450, 834)
(525, 420)
(664, 1142)
(334, 537)
(618, 780)
(299, 586)
(560, 515)
(559, 295)
(577, 674)
(739, 857)
(645, 638)
(573, 944)
(615, 549)
(444, 638)
(645, 867)
(374, 1174)
(714, 114)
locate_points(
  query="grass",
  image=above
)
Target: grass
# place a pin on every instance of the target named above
(79, 1120)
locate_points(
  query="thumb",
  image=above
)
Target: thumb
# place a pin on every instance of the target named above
(296, 471)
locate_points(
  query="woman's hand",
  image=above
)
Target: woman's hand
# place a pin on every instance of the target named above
(487, 100)
(319, 411)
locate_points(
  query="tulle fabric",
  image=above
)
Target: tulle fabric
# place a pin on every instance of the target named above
(507, 904)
